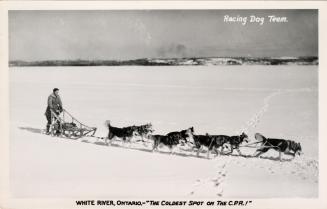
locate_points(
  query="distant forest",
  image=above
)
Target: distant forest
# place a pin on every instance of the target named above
(174, 62)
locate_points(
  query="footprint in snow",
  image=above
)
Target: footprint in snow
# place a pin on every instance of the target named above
(220, 192)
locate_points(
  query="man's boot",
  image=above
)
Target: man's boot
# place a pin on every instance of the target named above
(48, 129)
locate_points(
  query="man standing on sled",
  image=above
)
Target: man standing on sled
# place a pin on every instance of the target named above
(54, 104)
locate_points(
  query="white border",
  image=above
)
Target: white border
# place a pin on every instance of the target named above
(8, 202)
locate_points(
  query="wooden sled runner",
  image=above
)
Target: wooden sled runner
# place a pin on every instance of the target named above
(68, 126)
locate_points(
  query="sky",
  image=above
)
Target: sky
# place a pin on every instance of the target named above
(132, 34)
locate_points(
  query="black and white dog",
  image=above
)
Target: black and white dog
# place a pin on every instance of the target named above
(172, 139)
(204, 141)
(126, 133)
(287, 147)
(214, 142)
(236, 141)
(144, 131)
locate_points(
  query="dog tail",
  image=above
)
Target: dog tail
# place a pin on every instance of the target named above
(260, 137)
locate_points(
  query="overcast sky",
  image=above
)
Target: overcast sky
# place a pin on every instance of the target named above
(42, 35)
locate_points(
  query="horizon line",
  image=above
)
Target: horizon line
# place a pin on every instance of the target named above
(167, 58)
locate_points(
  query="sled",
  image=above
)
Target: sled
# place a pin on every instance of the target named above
(66, 125)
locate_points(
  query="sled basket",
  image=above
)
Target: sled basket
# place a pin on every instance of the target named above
(64, 124)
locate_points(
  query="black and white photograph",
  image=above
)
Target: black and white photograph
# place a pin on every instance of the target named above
(158, 107)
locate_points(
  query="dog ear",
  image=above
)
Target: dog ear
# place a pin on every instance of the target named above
(299, 145)
(107, 122)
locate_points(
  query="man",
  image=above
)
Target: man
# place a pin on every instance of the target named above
(54, 104)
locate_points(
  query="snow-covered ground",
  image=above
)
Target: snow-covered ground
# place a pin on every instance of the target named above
(277, 101)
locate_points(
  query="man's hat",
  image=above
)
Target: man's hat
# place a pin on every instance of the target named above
(55, 89)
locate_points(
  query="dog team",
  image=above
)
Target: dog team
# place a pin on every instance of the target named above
(211, 142)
